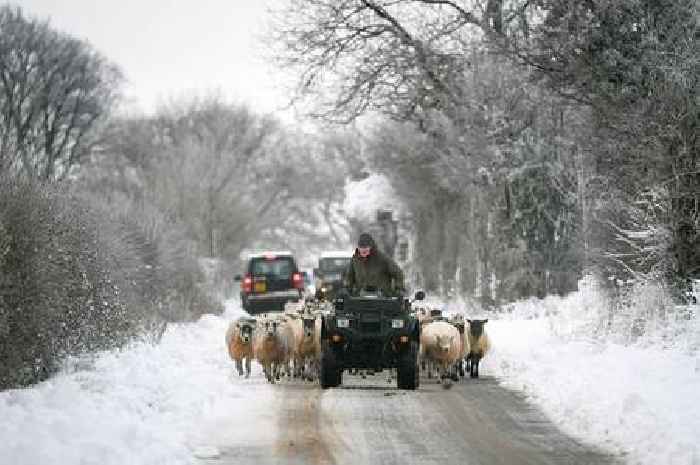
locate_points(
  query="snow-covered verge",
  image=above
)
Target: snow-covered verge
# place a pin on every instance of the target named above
(636, 396)
(146, 404)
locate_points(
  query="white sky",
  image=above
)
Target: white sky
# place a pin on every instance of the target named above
(170, 48)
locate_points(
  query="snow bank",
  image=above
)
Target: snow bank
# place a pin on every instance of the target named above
(638, 398)
(146, 404)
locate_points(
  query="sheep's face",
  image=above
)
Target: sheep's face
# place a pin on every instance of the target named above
(444, 343)
(476, 327)
(309, 328)
(271, 327)
(246, 332)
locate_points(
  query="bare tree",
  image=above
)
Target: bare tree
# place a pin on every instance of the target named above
(617, 118)
(54, 89)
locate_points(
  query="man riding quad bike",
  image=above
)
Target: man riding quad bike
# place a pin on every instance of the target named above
(372, 269)
(371, 327)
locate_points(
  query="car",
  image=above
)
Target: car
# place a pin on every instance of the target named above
(331, 273)
(370, 331)
(271, 280)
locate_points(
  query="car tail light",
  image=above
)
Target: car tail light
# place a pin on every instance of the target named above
(298, 281)
(248, 284)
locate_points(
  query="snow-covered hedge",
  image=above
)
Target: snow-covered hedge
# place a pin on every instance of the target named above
(642, 313)
(75, 279)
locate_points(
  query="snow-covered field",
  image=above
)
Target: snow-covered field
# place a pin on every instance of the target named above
(172, 402)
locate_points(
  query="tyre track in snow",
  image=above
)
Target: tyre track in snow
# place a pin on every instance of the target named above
(477, 422)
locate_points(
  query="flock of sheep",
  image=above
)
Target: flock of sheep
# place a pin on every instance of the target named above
(289, 343)
(450, 346)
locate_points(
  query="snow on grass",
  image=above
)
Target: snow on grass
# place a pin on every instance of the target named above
(640, 399)
(146, 404)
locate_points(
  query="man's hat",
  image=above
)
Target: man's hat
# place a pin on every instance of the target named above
(365, 240)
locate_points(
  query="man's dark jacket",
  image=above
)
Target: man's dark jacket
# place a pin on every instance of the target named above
(378, 270)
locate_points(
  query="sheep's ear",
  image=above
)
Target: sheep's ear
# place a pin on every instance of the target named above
(485, 320)
(470, 321)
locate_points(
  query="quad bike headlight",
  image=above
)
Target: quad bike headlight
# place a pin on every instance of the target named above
(343, 323)
(397, 324)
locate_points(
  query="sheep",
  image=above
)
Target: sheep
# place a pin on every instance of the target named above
(458, 322)
(270, 347)
(479, 345)
(309, 347)
(239, 341)
(440, 347)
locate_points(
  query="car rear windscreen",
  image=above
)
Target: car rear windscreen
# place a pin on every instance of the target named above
(278, 267)
(334, 264)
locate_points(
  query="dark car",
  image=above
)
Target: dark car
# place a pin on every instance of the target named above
(271, 280)
(330, 274)
(370, 331)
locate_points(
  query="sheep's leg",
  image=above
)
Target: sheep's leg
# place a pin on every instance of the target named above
(460, 367)
(316, 369)
(247, 367)
(239, 366)
(303, 369)
(478, 360)
(309, 368)
(454, 372)
(446, 375)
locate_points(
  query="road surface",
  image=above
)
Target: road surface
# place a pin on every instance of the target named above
(369, 421)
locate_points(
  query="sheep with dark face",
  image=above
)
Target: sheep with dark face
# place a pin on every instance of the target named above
(239, 341)
(479, 346)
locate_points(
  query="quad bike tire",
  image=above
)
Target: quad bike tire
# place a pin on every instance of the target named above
(407, 370)
(331, 375)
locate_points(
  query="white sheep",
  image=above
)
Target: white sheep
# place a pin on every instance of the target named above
(440, 346)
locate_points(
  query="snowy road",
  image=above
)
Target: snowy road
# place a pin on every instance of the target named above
(370, 422)
(179, 402)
